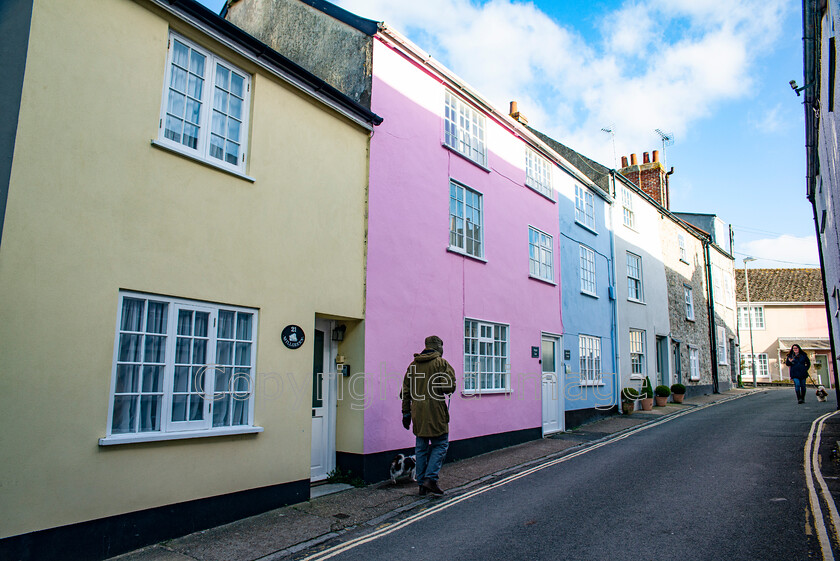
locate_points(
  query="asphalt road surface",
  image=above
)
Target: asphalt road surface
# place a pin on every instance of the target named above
(723, 482)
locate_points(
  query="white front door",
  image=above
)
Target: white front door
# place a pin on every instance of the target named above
(324, 382)
(552, 386)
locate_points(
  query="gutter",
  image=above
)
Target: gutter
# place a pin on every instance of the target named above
(614, 299)
(711, 312)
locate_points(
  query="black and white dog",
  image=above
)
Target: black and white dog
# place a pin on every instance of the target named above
(402, 467)
(821, 393)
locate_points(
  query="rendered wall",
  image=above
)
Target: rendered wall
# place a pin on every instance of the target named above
(94, 208)
(417, 288)
(784, 321)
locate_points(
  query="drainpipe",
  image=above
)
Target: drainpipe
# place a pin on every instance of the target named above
(711, 312)
(614, 296)
(826, 300)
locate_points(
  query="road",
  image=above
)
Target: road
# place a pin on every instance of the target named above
(723, 482)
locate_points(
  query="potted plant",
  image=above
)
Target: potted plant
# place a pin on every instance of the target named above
(678, 391)
(662, 394)
(629, 396)
(646, 396)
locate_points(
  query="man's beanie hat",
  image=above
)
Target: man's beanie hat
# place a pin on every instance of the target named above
(434, 343)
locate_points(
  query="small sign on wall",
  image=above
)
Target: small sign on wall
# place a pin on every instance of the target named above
(535, 352)
(567, 355)
(292, 336)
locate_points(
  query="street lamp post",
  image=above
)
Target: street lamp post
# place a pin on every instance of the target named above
(749, 319)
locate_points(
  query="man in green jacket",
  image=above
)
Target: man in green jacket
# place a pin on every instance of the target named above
(428, 379)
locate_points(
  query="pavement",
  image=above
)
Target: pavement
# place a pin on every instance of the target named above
(336, 510)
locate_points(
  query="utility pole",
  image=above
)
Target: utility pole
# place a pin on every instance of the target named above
(750, 319)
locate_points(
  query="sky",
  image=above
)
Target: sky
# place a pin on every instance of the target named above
(712, 74)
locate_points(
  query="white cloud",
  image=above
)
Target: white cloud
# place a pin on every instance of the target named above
(660, 64)
(782, 252)
(768, 121)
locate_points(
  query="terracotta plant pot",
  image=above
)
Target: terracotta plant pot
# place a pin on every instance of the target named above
(647, 403)
(627, 407)
(678, 397)
(661, 401)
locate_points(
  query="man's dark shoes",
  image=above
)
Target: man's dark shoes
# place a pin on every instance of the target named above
(431, 487)
(423, 490)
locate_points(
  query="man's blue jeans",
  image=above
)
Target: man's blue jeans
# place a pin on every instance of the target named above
(799, 386)
(430, 453)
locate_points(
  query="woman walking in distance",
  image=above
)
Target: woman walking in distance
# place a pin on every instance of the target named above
(799, 363)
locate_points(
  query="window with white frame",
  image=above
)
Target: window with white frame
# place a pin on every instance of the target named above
(717, 275)
(587, 270)
(762, 367)
(181, 365)
(465, 231)
(464, 129)
(751, 314)
(637, 351)
(689, 302)
(728, 290)
(634, 277)
(541, 254)
(627, 206)
(538, 173)
(721, 345)
(590, 360)
(694, 363)
(205, 106)
(584, 206)
(683, 256)
(486, 364)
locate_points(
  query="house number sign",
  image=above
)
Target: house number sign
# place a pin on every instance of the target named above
(292, 336)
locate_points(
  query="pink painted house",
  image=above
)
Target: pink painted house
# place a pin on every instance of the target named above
(459, 245)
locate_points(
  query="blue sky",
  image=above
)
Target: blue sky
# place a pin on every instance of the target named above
(714, 73)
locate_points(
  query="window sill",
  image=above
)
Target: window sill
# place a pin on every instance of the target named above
(540, 279)
(467, 158)
(114, 440)
(591, 384)
(473, 393)
(642, 302)
(692, 320)
(543, 195)
(684, 261)
(463, 253)
(184, 154)
(633, 228)
(585, 227)
(590, 294)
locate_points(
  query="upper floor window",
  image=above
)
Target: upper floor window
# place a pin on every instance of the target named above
(465, 129)
(627, 205)
(181, 366)
(538, 173)
(584, 206)
(540, 254)
(590, 360)
(689, 302)
(465, 231)
(756, 317)
(205, 106)
(634, 277)
(587, 270)
(486, 364)
(683, 256)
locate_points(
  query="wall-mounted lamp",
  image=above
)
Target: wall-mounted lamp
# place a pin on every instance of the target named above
(338, 332)
(798, 89)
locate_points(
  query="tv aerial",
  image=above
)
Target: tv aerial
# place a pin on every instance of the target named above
(667, 140)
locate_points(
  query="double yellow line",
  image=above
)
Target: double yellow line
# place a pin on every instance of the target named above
(812, 471)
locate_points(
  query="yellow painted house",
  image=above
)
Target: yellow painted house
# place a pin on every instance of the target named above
(182, 244)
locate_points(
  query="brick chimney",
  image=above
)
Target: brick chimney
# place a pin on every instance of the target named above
(649, 176)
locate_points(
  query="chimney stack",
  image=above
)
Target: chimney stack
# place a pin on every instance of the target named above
(514, 112)
(649, 176)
